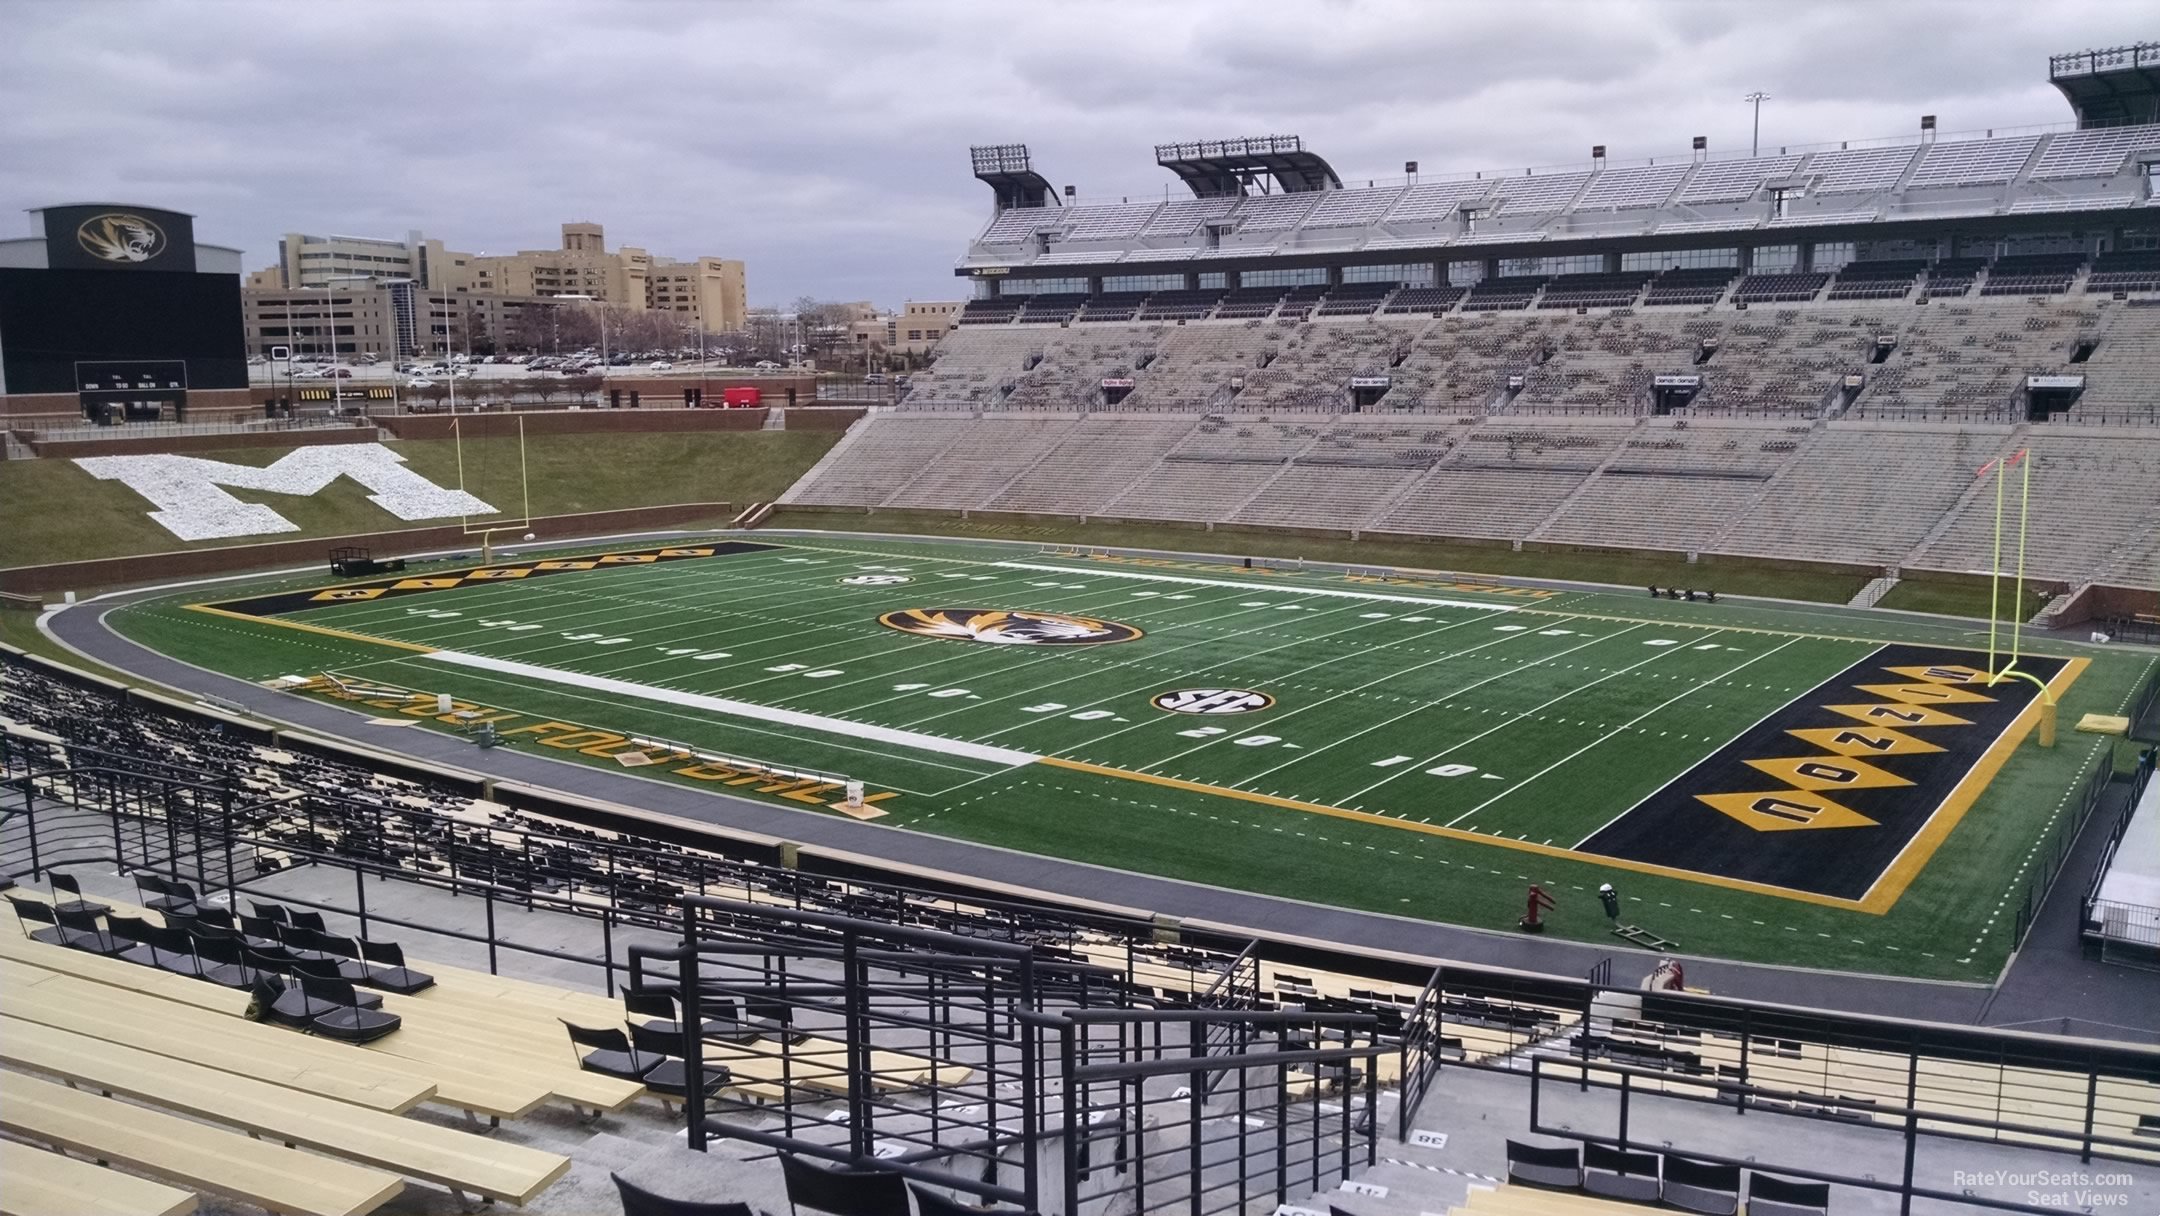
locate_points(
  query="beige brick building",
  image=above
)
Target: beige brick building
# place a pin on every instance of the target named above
(711, 292)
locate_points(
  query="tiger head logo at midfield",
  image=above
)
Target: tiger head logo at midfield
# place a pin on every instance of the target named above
(119, 237)
(1000, 627)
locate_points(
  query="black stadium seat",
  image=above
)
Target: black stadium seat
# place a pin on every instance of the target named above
(387, 969)
(842, 1192)
(637, 1201)
(343, 1016)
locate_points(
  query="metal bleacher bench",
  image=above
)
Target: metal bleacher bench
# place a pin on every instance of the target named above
(459, 1160)
(39, 1182)
(183, 1151)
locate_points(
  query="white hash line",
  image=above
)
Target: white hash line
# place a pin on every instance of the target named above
(1616, 731)
(1449, 696)
(1457, 746)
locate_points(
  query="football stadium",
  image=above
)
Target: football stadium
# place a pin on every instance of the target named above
(1576, 690)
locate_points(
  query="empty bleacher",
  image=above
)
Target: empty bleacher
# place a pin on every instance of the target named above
(1503, 293)
(1780, 287)
(2093, 493)
(1969, 360)
(2042, 274)
(1613, 290)
(1879, 280)
(1862, 492)
(2126, 272)
(1693, 285)
(1953, 276)
(1093, 463)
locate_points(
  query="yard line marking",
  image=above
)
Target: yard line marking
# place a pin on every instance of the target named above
(739, 709)
(1450, 696)
(1300, 589)
(1616, 731)
(1459, 745)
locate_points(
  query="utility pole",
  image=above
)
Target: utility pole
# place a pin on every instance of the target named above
(1757, 98)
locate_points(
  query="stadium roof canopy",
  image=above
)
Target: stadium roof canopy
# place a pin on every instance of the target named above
(1921, 187)
(1216, 168)
(2108, 88)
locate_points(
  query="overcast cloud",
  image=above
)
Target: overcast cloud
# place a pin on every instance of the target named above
(825, 144)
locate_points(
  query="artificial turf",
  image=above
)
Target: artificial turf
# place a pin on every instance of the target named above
(1428, 748)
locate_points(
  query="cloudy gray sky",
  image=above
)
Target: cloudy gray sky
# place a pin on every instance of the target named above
(825, 144)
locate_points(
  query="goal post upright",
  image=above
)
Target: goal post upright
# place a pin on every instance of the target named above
(2009, 669)
(487, 532)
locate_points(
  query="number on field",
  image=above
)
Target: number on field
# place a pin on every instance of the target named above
(1452, 770)
(950, 692)
(1203, 732)
(823, 673)
(787, 667)
(1257, 740)
(1047, 707)
(909, 687)
(1092, 715)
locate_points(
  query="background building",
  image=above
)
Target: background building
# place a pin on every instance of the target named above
(114, 312)
(708, 292)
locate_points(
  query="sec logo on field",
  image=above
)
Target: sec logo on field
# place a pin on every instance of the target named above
(1213, 701)
(875, 580)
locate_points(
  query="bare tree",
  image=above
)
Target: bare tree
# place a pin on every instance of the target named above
(580, 388)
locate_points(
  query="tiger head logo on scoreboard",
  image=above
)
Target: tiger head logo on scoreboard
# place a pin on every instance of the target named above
(1008, 628)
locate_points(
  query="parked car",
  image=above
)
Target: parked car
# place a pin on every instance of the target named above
(766, 365)
(419, 382)
(661, 365)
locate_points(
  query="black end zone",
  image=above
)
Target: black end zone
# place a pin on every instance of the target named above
(1824, 794)
(282, 602)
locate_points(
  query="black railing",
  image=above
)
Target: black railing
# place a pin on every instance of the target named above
(1420, 1055)
(2050, 852)
(1910, 1122)
(2106, 924)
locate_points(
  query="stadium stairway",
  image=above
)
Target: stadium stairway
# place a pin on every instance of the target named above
(1872, 594)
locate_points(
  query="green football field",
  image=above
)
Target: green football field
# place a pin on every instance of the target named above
(1787, 784)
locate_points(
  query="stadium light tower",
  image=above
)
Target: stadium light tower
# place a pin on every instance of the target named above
(1755, 142)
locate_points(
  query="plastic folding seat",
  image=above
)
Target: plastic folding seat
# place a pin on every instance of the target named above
(387, 969)
(306, 920)
(637, 1201)
(82, 931)
(842, 1192)
(222, 961)
(340, 952)
(611, 1054)
(173, 950)
(30, 912)
(162, 894)
(67, 896)
(133, 934)
(260, 932)
(670, 1076)
(344, 1018)
(276, 912)
(661, 1008)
